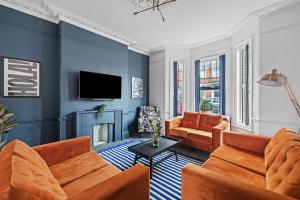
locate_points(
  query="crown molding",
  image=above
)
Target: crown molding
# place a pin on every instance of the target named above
(50, 12)
(255, 15)
(33, 8)
(138, 50)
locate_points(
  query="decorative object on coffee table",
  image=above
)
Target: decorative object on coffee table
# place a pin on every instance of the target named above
(6, 124)
(21, 78)
(146, 150)
(156, 127)
(276, 79)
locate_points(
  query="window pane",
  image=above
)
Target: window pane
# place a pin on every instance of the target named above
(179, 89)
(209, 88)
(244, 87)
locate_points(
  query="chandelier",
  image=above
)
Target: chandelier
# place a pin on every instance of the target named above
(158, 5)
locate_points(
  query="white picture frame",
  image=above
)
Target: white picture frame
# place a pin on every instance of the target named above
(21, 78)
(137, 89)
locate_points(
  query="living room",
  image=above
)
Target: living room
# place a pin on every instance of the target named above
(163, 99)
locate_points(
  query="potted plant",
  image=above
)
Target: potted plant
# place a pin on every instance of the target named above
(100, 110)
(6, 124)
(206, 105)
(156, 127)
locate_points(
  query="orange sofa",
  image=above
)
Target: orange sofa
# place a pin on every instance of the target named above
(247, 167)
(66, 170)
(199, 130)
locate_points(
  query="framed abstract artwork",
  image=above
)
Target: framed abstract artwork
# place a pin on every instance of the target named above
(137, 91)
(21, 78)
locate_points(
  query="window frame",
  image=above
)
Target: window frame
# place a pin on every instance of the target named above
(174, 85)
(222, 82)
(238, 86)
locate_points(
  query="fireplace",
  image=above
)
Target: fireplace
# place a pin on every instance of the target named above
(100, 134)
(104, 129)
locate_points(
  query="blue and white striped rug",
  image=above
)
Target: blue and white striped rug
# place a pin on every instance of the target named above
(166, 179)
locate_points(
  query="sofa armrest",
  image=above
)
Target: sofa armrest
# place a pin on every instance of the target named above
(201, 183)
(246, 141)
(217, 133)
(172, 123)
(133, 184)
(59, 151)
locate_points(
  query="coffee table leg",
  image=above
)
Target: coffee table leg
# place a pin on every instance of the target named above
(176, 154)
(135, 159)
(151, 167)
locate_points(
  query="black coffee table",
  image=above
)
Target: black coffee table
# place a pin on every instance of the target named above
(146, 150)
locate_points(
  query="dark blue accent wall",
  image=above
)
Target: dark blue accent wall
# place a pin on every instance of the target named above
(63, 50)
(26, 37)
(138, 66)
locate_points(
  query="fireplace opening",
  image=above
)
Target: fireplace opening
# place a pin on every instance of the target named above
(100, 134)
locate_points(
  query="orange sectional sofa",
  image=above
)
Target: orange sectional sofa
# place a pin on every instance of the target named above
(199, 130)
(247, 167)
(67, 170)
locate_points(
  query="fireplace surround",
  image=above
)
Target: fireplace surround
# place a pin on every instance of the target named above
(89, 124)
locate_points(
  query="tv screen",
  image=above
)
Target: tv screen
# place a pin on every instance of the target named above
(99, 86)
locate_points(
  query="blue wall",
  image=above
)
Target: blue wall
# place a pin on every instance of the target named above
(138, 66)
(26, 37)
(64, 50)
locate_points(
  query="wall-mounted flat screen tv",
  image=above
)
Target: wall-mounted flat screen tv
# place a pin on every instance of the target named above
(99, 86)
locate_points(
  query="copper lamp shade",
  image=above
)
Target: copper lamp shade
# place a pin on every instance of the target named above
(274, 79)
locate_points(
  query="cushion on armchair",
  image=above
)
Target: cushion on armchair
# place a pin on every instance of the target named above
(146, 114)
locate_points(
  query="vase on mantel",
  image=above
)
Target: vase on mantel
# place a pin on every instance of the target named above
(156, 127)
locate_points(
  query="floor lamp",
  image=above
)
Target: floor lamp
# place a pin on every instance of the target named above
(275, 79)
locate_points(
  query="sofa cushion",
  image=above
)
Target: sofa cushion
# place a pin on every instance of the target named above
(74, 168)
(26, 175)
(283, 175)
(91, 179)
(208, 121)
(277, 142)
(204, 136)
(180, 132)
(234, 171)
(246, 159)
(190, 119)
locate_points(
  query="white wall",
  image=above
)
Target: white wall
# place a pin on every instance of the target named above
(275, 40)
(248, 33)
(157, 81)
(280, 48)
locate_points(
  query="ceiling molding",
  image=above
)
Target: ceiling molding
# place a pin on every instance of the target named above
(255, 15)
(138, 50)
(31, 8)
(50, 12)
(45, 10)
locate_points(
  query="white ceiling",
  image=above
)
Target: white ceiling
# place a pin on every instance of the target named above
(187, 22)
